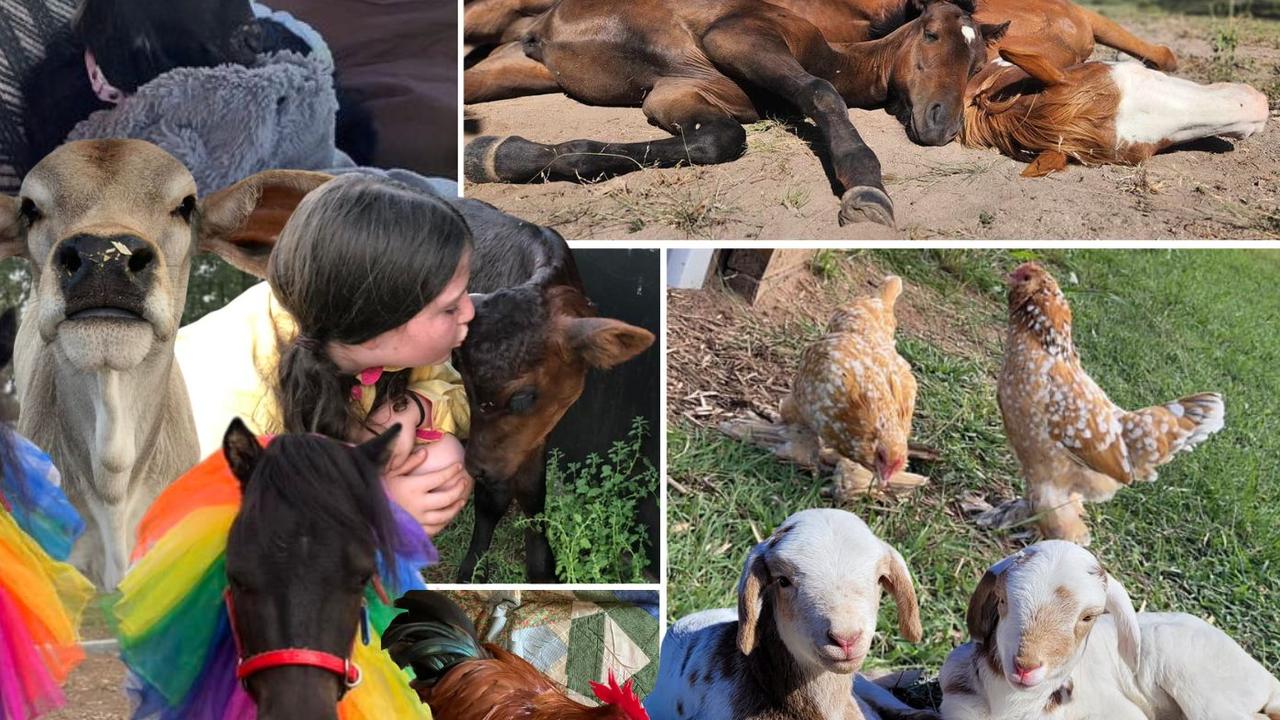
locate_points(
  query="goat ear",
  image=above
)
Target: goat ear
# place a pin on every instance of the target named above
(240, 223)
(10, 238)
(896, 579)
(755, 576)
(984, 610)
(242, 451)
(991, 34)
(1035, 65)
(378, 450)
(1126, 620)
(604, 343)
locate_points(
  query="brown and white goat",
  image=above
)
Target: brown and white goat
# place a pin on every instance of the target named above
(1098, 113)
(808, 601)
(1054, 636)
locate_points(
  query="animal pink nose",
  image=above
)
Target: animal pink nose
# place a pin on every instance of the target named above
(844, 642)
(1023, 670)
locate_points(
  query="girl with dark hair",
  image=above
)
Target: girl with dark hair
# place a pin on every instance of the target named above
(368, 279)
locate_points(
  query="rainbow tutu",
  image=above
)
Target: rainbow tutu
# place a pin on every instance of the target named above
(41, 597)
(172, 622)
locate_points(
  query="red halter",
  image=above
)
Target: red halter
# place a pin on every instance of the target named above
(343, 667)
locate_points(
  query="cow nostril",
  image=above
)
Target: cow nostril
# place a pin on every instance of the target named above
(141, 259)
(69, 259)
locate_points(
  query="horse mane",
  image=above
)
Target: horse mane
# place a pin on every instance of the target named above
(323, 480)
(1023, 118)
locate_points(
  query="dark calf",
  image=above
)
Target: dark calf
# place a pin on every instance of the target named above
(525, 361)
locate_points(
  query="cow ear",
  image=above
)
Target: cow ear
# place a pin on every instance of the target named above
(241, 223)
(10, 235)
(242, 450)
(603, 342)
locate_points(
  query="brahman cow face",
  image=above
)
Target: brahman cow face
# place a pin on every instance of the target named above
(109, 231)
(109, 228)
(525, 361)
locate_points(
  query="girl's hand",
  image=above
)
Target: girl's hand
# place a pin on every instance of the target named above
(434, 498)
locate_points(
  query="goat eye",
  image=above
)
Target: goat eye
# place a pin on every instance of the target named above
(29, 211)
(784, 581)
(186, 209)
(522, 401)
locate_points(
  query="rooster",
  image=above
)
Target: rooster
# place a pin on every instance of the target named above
(461, 679)
(856, 394)
(1072, 442)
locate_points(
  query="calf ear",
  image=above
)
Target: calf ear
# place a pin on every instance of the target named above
(604, 343)
(240, 223)
(755, 577)
(242, 450)
(992, 34)
(1035, 65)
(1128, 635)
(10, 238)
(896, 579)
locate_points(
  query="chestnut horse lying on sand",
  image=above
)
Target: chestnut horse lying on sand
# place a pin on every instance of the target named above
(1044, 102)
(701, 70)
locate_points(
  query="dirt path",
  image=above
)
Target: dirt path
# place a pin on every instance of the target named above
(778, 190)
(95, 691)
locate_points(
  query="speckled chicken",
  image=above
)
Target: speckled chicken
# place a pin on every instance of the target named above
(1072, 442)
(856, 393)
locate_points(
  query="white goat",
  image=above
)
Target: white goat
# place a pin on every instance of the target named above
(807, 606)
(1053, 635)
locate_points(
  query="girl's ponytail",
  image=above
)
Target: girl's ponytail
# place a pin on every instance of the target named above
(314, 395)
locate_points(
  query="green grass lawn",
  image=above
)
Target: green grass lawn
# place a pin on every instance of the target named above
(1150, 326)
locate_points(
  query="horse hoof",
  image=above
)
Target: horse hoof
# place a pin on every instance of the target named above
(480, 157)
(865, 203)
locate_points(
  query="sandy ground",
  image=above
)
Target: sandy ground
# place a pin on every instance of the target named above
(95, 691)
(778, 190)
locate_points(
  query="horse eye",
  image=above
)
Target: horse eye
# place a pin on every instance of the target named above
(784, 581)
(186, 209)
(930, 36)
(29, 211)
(522, 401)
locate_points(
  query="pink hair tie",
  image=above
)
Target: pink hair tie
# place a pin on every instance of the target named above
(366, 377)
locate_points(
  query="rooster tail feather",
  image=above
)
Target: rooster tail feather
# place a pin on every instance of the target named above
(432, 636)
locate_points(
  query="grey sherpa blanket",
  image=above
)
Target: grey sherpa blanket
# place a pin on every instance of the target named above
(228, 122)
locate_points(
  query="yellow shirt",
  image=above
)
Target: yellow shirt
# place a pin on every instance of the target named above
(229, 360)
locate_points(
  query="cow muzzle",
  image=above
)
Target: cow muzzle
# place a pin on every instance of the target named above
(105, 276)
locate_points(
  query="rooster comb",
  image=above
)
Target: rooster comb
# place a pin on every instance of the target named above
(622, 697)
